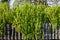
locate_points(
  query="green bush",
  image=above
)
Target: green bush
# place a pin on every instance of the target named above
(3, 11)
(53, 13)
(28, 18)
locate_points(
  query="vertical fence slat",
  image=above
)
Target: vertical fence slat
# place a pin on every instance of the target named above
(54, 34)
(13, 34)
(51, 31)
(41, 31)
(5, 31)
(20, 36)
(47, 31)
(8, 27)
(44, 30)
(3, 34)
(10, 31)
(2, 38)
(58, 32)
(16, 35)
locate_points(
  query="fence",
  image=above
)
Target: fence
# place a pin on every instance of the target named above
(47, 30)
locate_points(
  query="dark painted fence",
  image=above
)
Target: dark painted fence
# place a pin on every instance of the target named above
(47, 30)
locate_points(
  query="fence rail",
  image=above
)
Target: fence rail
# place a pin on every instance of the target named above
(11, 34)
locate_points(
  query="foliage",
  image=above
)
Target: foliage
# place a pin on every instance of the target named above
(3, 11)
(28, 19)
(52, 14)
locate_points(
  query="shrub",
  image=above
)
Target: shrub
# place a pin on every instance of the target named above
(28, 19)
(3, 11)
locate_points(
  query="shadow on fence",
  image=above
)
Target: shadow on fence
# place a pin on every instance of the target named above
(47, 30)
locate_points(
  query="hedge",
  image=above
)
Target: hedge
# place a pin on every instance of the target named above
(28, 18)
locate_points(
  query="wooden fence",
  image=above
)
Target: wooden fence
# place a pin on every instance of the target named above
(47, 29)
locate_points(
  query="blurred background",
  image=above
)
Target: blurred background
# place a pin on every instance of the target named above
(20, 2)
